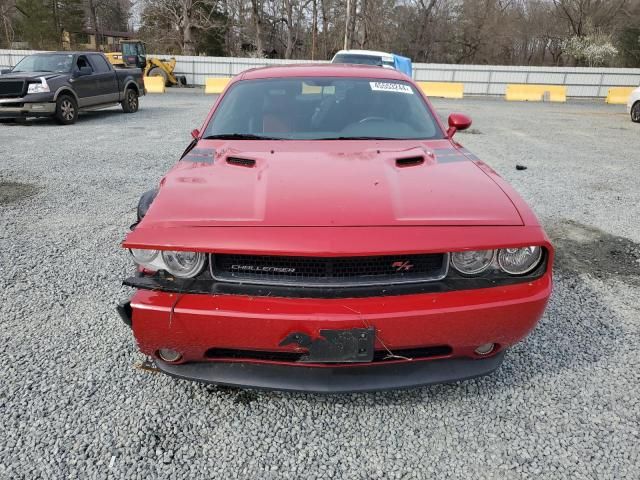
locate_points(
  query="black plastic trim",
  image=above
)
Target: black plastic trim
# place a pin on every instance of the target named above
(379, 356)
(347, 379)
(125, 312)
(145, 202)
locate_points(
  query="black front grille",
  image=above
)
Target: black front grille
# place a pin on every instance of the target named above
(330, 271)
(11, 88)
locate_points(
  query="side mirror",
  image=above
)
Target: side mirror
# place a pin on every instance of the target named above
(195, 133)
(5, 71)
(84, 71)
(457, 121)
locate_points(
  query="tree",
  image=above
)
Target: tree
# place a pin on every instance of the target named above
(185, 17)
(630, 46)
(37, 24)
(511, 32)
(7, 12)
(594, 50)
(585, 15)
(257, 12)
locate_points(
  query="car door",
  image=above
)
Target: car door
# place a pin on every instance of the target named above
(107, 83)
(85, 86)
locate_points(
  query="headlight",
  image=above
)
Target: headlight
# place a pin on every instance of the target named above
(42, 87)
(144, 257)
(178, 264)
(472, 262)
(183, 264)
(518, 261)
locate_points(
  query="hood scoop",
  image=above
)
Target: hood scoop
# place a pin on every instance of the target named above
(410, 161)
(241, 162)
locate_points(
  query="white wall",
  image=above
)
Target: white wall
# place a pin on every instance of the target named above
(477, 79)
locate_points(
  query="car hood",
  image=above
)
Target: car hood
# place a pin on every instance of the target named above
(328, 183)
(30, 75)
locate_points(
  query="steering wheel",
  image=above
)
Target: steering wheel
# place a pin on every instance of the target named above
(372, 119)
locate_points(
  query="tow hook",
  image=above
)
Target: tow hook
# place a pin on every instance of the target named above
(147, 365)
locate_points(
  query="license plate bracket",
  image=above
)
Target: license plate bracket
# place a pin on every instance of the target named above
(354, 345)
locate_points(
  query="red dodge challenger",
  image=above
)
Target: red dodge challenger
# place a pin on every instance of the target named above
(324, 232)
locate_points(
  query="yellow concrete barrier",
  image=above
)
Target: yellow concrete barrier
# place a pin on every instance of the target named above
(535, 93)
(154, 84)
(619, 95)
(317, 90)
(216, 85)
(442, 89)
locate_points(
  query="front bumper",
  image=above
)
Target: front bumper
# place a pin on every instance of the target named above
(213, 332)
(397, 375)
(17, 108)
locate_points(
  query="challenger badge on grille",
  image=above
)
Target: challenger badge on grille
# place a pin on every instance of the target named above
(258, 268)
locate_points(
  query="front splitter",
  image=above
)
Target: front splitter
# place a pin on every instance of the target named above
(343, 379)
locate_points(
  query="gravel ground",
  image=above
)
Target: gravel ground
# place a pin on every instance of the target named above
(565, 404)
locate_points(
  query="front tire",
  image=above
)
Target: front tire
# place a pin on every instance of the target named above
(158, 72)
(130, 103)
(635, 112)
(66, 110)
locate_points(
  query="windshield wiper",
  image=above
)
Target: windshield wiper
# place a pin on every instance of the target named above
(239, 136)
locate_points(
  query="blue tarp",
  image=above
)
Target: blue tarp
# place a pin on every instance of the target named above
(403, 64)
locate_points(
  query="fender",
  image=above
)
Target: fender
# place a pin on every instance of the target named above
(130, 82)
(65, 89)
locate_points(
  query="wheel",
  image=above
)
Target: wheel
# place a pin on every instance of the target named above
(130, 102)
(635, 112)
(158, 72)
(66, 110)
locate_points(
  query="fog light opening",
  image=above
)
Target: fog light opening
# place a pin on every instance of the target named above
(168, 355)
(485, 349)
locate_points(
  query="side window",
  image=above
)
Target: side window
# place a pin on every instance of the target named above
(100, 65)
(82, 62)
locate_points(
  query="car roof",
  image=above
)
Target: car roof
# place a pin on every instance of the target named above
(323, 70)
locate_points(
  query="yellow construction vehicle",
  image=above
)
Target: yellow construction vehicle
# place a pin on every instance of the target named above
(134, 54)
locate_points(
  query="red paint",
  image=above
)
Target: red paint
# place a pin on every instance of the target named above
(457, 121)
(331, 183)
(462, 320)
(337, 198)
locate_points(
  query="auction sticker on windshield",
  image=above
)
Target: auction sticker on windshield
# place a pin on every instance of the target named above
(391, 87)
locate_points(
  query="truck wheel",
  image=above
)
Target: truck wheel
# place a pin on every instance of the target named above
(158, 72)
(635, 112)
(66, 110)
(130, 102)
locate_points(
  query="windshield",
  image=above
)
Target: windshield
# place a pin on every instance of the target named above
(45, 63)
(323, 109)
(131, 48)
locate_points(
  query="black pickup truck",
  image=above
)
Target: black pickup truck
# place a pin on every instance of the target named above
(61, 84)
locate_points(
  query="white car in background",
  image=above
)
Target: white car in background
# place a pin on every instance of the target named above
(379, 59)
(364, 57)
(633, 105)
